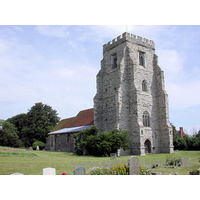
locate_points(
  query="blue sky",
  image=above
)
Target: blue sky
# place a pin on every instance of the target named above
(57, 65)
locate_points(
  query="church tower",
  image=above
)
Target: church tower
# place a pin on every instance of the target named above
(131, 95)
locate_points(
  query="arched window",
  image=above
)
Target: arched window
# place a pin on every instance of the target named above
(114, 61)
(141, 58)
(144, 86)
(146, 120)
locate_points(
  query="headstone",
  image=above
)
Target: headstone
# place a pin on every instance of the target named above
(79, 171)
(183, 162)
(16, 174)
(37, 148)
(112, 155)
(118, 152)
(134, 167)
(30, 149)
(49, 171)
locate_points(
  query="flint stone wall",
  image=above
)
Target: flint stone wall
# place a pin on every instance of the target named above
(120, 102)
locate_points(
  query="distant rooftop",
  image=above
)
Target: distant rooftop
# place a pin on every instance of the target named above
(71, 130)
(84, 118)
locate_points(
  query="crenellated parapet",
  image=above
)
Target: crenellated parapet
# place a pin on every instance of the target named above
(131, 38)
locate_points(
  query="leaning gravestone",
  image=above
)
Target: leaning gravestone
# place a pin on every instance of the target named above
(183, 162)
(133, 163)
(16, 174)
(49, 171)
(79, 171)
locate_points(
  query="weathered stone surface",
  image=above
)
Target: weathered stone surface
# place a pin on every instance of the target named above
(183, 162)
(49, 171)
(79, 171)
(120, 101)
(134, 168)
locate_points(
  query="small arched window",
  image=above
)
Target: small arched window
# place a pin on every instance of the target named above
(144, 86)
(146, 119)
(141, 59)
(114, 61)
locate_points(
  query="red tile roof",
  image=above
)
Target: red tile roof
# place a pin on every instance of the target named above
(84, 117)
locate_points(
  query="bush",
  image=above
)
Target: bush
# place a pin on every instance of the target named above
(144, 171)
(100, 145)
(38, 143)
(101, 171)
(120, 169)
(179, 144)
(172, 161)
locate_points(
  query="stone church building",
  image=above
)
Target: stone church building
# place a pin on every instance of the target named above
(131, 96)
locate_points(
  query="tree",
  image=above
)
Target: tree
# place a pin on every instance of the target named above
(36, 124)
(39, 121)
(179, 143)
(85, 138)
(103, 144)
(20, 122)
(8, 135)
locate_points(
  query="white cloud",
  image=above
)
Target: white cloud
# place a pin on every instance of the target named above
(53, 31)
(184, 95)
(171, 62)
(183, 92)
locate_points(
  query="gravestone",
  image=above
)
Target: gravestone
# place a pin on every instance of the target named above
(134, 166)
(30, 149)
(183, 162)
(37, 148)
(79, 171)
(49, 171)
(118, 152)
(16, 174)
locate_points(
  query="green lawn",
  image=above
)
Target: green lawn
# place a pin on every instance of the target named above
(14, 160)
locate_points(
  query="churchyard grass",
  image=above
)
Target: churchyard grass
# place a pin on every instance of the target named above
(19, 160)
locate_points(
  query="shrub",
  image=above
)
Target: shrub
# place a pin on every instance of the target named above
(101, 171)
(120, 169)
(144, 171)
(100, 145)
(38, 143)
(172, 161)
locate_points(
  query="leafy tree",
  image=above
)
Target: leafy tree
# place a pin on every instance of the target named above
(20, 122)
(36, 124)
(38, 143)
(82, 137)
(103, 144)
(188, 142)
(179, 143)
(39, 121)
(8, 135)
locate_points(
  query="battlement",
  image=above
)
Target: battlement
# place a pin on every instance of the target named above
(129, 37)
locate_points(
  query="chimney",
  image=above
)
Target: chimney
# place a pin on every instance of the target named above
(181, 132)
